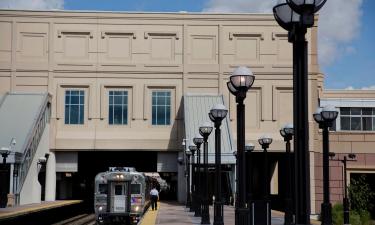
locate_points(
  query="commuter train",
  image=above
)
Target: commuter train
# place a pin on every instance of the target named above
(121, 195)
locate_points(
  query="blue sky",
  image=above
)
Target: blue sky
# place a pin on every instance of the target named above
(346, 29)
(357, 69)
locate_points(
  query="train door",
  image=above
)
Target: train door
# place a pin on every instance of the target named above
(120, 198)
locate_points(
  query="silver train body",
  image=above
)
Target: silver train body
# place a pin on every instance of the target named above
(121, 195)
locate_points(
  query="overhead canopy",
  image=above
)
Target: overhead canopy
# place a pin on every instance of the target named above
(18, 113)
(196, 109)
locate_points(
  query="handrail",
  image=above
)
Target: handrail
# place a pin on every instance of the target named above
(31, 144)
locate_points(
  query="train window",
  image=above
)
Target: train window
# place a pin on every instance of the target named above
(118, 189)
(103, 188)
(135, 188)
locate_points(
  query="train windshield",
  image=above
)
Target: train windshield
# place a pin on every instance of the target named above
(135, 189)
(103, 188)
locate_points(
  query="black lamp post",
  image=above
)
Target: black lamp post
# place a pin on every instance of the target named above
(265, 142)
(240, 82)
(352, 157)
(249, 148)
(198, 140)
(325, 118)
(287, 132)
(188, 200)
(296, 16)
(205, 130)
(4, 153)
(193, 204)
(217, 114)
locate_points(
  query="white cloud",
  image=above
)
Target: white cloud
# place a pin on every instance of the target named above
(369, 88)
(31, 4)
(339, 23)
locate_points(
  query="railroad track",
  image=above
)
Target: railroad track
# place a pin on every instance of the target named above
(83, 219)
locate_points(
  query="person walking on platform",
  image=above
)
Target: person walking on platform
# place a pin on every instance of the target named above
(154, 198)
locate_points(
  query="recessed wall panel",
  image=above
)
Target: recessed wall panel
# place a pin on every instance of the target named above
(5, 41)
(119, 47)
(246, 48)
(76, 46)
(203, 48)
(33, 45)
(162, 48)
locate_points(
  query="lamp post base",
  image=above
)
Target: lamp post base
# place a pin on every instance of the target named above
(242, 216)
(218, 213)
(326, 214)
(198, 208)
(205, 213)
(288, 217)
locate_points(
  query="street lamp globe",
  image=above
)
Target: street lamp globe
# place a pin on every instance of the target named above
(329, 113)
(282, 132)
(188, 152)
(318, 116)
(198, 140)
(249, 147)
(218, 113)
(241, 80)
(289, 129)
(306, 6)
(265, 140)
(192, 148)
(180, 160)
(285, 16)
(205, 129)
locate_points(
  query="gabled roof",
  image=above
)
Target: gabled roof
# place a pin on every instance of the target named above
(196, 108)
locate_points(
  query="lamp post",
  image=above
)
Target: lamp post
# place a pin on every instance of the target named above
(198, 140)
(205, 130)
(287, 132)
(193, 204)
(325, 118)
(296, 16)
(265, 142)
(240, 82)
(188, 200)
(249, 148)
(352, 157)
(217, 114)
(4, 151)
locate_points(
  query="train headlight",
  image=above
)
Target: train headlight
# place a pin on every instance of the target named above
(100, 208)
(122, 176)
(118, 176)
(136, 208)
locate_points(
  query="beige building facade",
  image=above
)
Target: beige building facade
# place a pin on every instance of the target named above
(117, 83)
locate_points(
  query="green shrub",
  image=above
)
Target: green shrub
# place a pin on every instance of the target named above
(356, 218)
(337, 214)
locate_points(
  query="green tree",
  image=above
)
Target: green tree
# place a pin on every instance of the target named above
(361, 195)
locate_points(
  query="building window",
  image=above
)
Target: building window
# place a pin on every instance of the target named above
(118, 108)
(74, 106)
(357, 119)
(161, 108)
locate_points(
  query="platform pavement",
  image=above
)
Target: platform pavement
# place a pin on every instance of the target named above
(11, 212)
(172, 213)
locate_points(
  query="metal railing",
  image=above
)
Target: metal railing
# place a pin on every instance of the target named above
(31, 145)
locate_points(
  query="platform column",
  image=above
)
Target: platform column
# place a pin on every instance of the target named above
(51, 178)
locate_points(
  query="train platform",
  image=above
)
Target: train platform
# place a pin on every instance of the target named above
(14, 215)
(172, 213)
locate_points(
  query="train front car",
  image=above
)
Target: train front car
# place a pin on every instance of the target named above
(124, 196)
(138, 196)
(100, 196)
